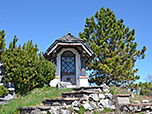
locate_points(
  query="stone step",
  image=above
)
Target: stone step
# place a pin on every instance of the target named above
(42, 109)
(58, 101)
(89, 88)
(138, 107)
(37, 109)
(78, 94)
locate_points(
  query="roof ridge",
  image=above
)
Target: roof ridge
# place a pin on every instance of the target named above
(68, 37)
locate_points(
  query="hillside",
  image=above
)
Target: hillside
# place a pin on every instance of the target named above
(35, 97)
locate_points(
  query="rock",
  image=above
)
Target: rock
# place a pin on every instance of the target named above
(56, 104)
(43, 112)
(76, 104)
(108, 95)
(106, 103)
(131, 108)
(147, 112)
(63, 85)
(125, 109)
(99, 90)
(103, 102)
(8, 97)
(106, 90)
(61, 111)
(87, 106)
(76, 108)
(105, 86)
(53, 110)
(86, 97)
(83, 100)
(64, 104)
(100, 110)
(147, 107)
(101, 96)
(93, 105)
(136, 101)
(110, 102)
(94, 97)
(36, 111)
(137, 108)
(145, 101)
(99, 105)
(112, 107)
(132, 95)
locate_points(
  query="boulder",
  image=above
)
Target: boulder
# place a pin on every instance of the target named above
(61, 111)
(106, 103)
(56, 104)
(112, 107)
(87, 106)
(36, 111)
(132, 95)
(76, 104)
(137, 108)
(131, 108)
(136, 101)
(145, 101)
(76, 108)
(63, 85)
(108, 95)
(106, 90)
(93, 104)
(8, 97)
(44, 112)
(101, 96)
(53, 110)
(94, 97)
(100, 110)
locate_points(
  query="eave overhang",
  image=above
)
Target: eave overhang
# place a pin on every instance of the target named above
(69, 40)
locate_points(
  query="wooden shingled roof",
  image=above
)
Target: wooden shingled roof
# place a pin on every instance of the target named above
(68, 39)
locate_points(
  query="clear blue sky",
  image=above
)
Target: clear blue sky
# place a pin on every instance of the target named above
(43, 21)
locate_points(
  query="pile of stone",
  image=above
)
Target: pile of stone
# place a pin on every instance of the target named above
(97, 100)
(4, 99)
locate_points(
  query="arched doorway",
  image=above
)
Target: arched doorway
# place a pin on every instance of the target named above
(68, 70)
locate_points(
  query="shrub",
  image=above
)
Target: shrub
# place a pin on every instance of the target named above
(3, 90)
(26, 68)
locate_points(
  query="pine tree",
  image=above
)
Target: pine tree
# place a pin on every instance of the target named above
(2, 43)
(114, 47)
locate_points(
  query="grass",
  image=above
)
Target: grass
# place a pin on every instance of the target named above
(118, 90)
(33, 98)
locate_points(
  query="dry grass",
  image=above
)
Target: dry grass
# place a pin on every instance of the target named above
(118, 90)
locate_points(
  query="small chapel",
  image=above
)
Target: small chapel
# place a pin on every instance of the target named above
(70, 55)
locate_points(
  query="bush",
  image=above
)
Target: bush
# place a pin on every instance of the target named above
(3, 90)
(26, 68)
